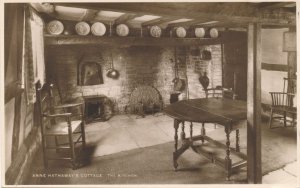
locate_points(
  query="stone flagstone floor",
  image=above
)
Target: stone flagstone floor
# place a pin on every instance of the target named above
(136, 133)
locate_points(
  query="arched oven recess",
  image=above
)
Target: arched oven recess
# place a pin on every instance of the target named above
(90, 73)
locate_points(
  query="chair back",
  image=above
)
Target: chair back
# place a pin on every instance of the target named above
(45, 103)
(220, 92)
(282, 99)
(216, 92)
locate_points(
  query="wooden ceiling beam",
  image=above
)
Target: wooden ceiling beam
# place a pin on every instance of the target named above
(234, 12)
(222, 24)
(157, 21)
(108, 22)
(271, 6)
(89, 15)
(184, 24)
(128, 41)
(198, 23)
(126, 17)
(45, 7)
(277, 26)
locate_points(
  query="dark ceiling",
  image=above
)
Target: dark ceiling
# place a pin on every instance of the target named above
(170, 14)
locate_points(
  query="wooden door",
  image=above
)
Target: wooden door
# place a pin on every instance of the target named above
(235, 63)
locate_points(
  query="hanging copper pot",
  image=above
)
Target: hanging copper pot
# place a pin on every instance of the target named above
(179, 84)
(112, 72)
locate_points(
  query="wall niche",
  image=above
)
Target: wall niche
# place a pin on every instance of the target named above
(89, 73)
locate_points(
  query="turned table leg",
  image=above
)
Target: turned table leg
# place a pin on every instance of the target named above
(237, 142)
(228, 161)
(191, 131)
(182, 135)
(203, 133)
(176, 125)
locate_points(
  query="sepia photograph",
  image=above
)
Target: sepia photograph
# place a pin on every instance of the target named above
(161, 93)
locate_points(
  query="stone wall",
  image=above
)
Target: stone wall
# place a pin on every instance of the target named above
(137, 66)
(212, 67)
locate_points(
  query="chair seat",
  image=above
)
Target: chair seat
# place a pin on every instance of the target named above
(62, 128)
(285, 108)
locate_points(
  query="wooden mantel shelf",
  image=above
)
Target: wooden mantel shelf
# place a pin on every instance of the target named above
(128, 41)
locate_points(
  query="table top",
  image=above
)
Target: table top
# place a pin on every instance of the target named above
(93, 96)
(208, 110)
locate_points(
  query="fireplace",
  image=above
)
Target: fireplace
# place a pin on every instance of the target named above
(97, 108)
(145, 100)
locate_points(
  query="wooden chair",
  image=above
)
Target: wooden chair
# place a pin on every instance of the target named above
(219, 92)
(282, 105)
(60, 125)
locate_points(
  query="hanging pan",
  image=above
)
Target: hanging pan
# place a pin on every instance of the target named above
(112, 72)
(179, 84)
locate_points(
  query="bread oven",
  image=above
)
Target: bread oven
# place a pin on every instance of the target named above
(89, 73)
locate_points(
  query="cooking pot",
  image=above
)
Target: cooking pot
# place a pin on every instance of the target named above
(112, 73)
(179, 84)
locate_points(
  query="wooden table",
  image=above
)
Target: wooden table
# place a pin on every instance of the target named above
(225, 112)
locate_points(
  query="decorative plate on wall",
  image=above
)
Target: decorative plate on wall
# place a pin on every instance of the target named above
(155, 31)
(55, 27)
(98, 29)
(199, 32)
(122, 30)
(82, 28)
(213, 32)
(180, 32)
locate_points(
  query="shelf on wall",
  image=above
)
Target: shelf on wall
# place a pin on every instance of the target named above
(127, 41)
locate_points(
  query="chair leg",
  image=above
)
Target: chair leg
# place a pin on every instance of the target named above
(284, 119)
(73, 156)
(203, 132)
(83, 134)
(44, 152)
(293, 120)
(271, 119)
(56, 144)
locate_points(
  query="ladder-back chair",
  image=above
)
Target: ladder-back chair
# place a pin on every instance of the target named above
(66, 126)
(219, 92)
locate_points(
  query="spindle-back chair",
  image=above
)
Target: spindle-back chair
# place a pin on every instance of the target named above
(282, 104)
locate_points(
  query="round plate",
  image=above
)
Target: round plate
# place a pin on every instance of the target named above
(82, 28)
(155, 31)
(213, 32)
(98, 29)
(55, 27)
(199, 32)
(122, 30)
(180, 32)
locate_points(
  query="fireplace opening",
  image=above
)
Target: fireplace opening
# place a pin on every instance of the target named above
(145, 100)
(94, 110)
(97, 108)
